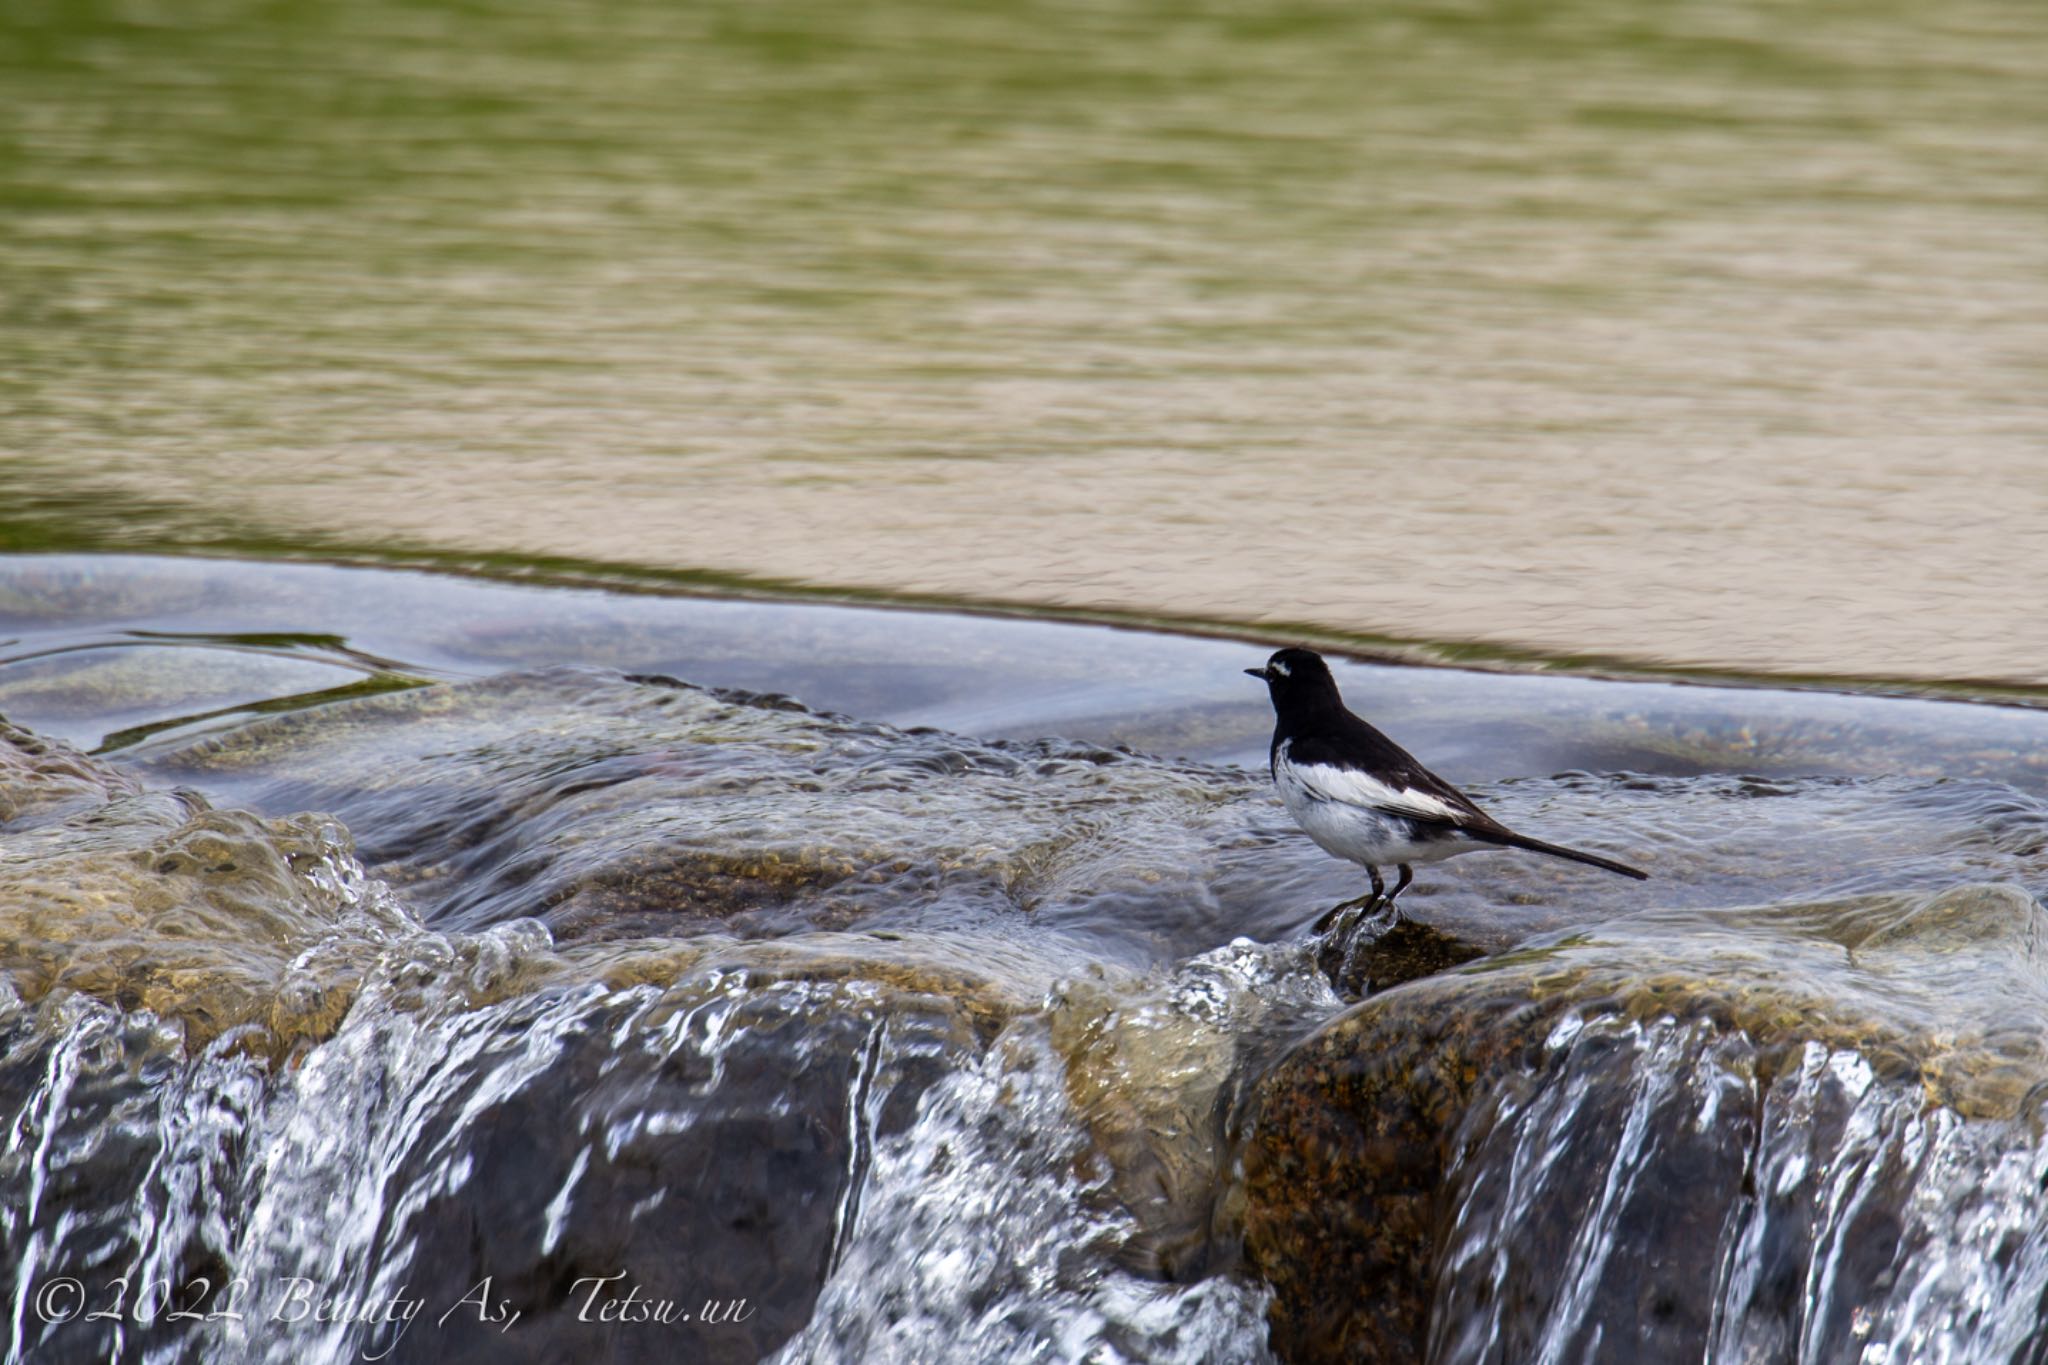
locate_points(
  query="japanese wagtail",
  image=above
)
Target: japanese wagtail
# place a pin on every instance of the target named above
(1365, 798)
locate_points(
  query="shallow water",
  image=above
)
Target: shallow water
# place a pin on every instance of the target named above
(1757, 792)
(417, 964)
(1705, 334)
(413, 933)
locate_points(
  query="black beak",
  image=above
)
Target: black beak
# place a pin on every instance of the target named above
(1258, 673)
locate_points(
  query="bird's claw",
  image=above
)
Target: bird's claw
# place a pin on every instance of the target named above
(1371, 900)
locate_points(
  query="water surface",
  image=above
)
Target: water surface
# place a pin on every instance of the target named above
(1705, 334)
(941, 986)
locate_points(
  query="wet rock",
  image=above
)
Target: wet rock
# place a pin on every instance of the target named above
(217, 1020)
(112, 1129)
(219, 920)
(1156, 1069)
(569, 1149)
(1374, 955)
(617, 807)
(611, 806)
(44, 780)
(1614, 1144)
(703, 1142)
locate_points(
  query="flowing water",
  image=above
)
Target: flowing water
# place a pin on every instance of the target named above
(427, 968)
(530, 955)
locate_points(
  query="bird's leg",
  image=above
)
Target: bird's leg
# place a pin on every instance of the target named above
(1407, 876)
(1379, 889)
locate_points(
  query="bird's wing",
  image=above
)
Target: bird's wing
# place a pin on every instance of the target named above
(1348, 786)
(1397, 784)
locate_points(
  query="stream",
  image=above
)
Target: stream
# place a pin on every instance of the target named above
(404, 966)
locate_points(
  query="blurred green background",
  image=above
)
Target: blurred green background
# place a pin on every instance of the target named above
(1693, 333)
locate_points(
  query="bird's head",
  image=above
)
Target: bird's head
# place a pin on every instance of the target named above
(1299, 680)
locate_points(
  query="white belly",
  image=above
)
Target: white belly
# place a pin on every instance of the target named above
(1364, 835)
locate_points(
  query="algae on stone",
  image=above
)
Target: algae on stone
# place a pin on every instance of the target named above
(1389, 1195)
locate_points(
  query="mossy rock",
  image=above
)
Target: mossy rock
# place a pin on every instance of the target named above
(1366, 958)
(43, 780)
(1382, 1144)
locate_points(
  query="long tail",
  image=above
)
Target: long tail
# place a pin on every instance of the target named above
(1514, 840)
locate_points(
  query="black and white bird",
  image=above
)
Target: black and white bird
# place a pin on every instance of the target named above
(1363, 797)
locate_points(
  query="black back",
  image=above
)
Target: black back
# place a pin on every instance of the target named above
(1312, 721)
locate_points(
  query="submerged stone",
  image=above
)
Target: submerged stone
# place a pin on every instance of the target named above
(609, 1165)
(114, 1133)
(629, 940)
(1369, 957)
(1156, 1069)
(613, 807)
(220, 921)
(229, 1054)
(43, 780)
(616, 807)
(612, 1163)
(1631, 1142)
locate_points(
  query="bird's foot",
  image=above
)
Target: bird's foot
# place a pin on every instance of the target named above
(1336, 912)
(1349, 915)
(1353, 928)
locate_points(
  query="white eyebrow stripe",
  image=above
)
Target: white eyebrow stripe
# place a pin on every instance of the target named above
(1354, 788)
